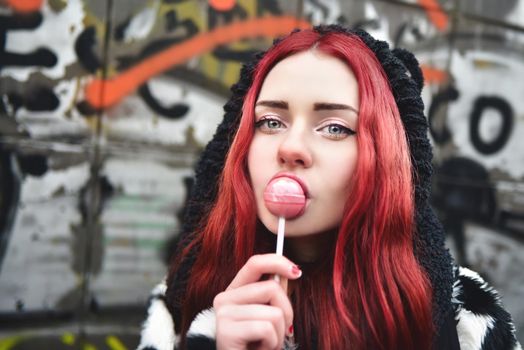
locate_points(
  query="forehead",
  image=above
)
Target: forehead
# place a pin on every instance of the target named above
(311, 75)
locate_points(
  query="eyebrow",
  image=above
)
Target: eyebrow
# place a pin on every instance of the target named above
(332, 106)
(319, 106)
(273, 104)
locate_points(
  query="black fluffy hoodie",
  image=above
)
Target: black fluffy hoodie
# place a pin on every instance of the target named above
(465, 310)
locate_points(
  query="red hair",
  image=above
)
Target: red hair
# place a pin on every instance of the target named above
(371, 293)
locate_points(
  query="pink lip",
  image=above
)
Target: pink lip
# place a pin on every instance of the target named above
(294, 177)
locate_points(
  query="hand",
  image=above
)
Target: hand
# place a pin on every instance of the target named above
(253, 313)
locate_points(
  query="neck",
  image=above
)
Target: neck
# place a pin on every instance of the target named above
(310, 248)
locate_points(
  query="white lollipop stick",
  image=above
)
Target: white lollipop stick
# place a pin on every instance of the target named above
(284, 197)
(280, 240)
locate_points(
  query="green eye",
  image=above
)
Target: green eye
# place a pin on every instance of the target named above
(336, 131)
(269, 125)
(273, 124)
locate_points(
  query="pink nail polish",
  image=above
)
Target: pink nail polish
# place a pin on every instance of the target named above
(290, 331)
(295, 270)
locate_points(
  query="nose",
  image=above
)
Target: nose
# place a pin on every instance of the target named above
(294, 150)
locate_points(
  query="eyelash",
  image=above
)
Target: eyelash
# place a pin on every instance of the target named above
(263, 123)
(345, 131)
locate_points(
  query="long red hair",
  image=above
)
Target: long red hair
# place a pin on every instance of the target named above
(370, 292)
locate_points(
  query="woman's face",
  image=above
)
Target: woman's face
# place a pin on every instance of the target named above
(305, 118)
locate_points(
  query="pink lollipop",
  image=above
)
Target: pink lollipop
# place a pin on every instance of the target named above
(284, 197)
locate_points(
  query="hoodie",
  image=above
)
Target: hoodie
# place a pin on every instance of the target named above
(467, 313)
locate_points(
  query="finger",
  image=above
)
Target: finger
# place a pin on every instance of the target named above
(256, 312)
(265, 292)
(260, 331)
(283, 284)
(259, 265)
(282, 281)
(242, 334)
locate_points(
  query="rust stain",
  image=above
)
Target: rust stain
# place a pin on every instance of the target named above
(101, 93)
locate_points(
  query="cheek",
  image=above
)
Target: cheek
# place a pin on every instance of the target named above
(339, 187)
(258, 164)
(339, 170)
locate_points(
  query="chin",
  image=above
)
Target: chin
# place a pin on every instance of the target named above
(303, 225)
(294, 228)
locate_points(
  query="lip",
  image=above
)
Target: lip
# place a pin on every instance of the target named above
(294, 177)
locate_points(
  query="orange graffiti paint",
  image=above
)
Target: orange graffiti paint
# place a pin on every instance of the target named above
(25, 5)
(435, 14)
(101, 93)
(434, 75)
(222, 5)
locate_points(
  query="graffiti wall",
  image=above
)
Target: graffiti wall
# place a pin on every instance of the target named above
(105, 106)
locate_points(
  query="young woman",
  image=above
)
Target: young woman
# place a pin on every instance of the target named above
(364, 265)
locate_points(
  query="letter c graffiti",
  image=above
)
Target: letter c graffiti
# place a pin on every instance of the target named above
(441, 98)
(502, 106)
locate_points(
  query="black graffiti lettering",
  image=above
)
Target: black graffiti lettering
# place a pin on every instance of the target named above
(438, 101)
(36, 99)
(463, 191)
(403, 30)
(120, 29)
(85, 50)
(173, 23)
(150, 49)
(171, 20)
(176, 111)
(342, 20)
(159, 45)
(41, 57)
(506, 113)
(81, 263)
(216, 17)
(3, 107)
(84, 108)
(9, 193)
(271, 6)
(366, 24)
(18, 21)
(33, 164)
(224, 53)
(323, 8)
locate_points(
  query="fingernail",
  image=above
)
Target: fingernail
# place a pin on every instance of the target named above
(295, 270)
(290, 331)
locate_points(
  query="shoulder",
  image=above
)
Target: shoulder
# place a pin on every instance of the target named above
(482, 321)
(158, 330)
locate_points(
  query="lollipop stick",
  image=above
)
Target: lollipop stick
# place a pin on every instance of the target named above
(280, 235)
(280, 240)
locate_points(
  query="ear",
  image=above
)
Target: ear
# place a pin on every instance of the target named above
(412, 65)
